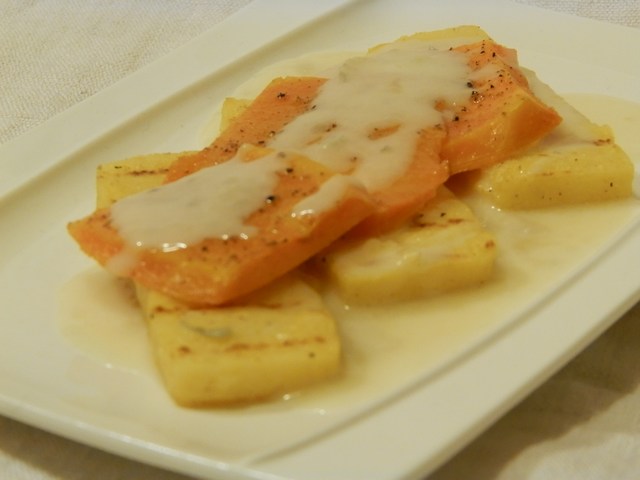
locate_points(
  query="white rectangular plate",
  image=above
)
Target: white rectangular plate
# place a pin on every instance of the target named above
(101, 389)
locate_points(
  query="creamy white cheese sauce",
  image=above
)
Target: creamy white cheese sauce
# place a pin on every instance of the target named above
(100, 316)
(373, 93)
(366, 94)
(213, 203)
(385, 347)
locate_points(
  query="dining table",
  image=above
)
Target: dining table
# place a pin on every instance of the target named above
(582, 422)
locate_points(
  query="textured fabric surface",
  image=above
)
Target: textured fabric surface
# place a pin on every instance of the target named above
(48, 65)
(583, 423)
(623, 12)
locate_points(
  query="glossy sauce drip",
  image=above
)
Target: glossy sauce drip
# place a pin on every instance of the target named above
(326, 197)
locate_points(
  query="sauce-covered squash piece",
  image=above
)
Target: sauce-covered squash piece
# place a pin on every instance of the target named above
(502, 116)
(280, 102)
(401, 118)
(206, 240)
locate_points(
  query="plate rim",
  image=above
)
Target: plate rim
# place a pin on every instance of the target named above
(35, 417)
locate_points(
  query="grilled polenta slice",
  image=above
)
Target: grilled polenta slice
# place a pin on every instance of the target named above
(232, 108)
(578, 162)
(118, 179)
(443, 248)
(276, 341)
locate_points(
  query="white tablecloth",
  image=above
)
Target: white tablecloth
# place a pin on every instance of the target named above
(583, 423)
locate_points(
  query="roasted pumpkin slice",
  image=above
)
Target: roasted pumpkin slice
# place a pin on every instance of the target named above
(228, 230)
(502, 116)
(280, 102)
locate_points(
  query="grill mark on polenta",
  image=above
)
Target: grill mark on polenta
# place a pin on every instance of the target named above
(293, 342)
(138, 173)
